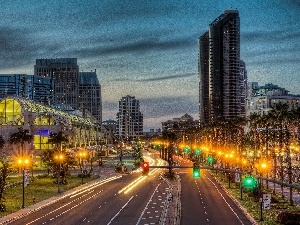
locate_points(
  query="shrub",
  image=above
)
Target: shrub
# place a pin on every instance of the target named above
(288, 218)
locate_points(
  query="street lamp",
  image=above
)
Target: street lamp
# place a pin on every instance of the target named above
(23, 162)
(81, 156)
(59, 158)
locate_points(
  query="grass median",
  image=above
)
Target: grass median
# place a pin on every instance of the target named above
(39, 189)
(252, 205)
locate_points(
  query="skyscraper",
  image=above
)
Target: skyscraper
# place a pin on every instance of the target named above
(64, 73)
(129, 119)
(90, 94)
(219, 69)
(38, 89)
(243, 87)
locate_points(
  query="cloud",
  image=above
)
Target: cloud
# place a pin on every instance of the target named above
(273, 51)
(155, 78)
(15, 47)
(270, 35)
(293, 3)
(134, 46)
(274, 61)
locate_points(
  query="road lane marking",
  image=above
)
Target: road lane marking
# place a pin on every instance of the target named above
(120, 210)
(146, 207)
(225, 200)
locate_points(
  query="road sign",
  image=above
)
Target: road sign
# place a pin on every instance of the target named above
(26, 178)
(267, 198)
(267, 205)
(237, 177)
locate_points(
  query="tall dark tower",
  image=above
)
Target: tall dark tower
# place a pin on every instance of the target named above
(219, 69)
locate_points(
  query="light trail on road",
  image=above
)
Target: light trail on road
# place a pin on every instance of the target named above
(92, 186)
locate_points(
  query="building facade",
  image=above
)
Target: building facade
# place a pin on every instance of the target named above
(180, 124)
(38, 89)
(219, 69)
(64, 72)
(90, 94)
(129, 119)
(243, 87)
(261, 99)
(41, 121)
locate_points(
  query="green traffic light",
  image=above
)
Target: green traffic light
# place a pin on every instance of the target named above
(198, 151)
(249, 182)
(186, 149)
(196, 172)
(210, 159)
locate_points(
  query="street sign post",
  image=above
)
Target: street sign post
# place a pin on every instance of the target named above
(267, 200)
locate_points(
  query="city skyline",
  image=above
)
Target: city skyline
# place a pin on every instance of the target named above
(148, 49)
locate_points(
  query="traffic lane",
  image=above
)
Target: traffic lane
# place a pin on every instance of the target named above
(146, 203)
(120, 205)
(72, 208)
(227, 210)
(191, 200)
(106, 206)
(205, 202)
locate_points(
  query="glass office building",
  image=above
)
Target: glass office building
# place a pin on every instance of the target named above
(90, 94)
(64, 72)
(38, 89)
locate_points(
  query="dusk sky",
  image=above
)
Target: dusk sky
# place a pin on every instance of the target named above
(148, 48)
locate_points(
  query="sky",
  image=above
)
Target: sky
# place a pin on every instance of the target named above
(148, 48)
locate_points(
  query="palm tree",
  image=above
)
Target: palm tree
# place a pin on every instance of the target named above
(58, 139)
(170, 137)
(2, 142)
(19, 138)
(282, 121)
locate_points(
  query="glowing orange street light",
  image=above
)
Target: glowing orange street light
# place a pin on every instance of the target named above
(81, 156)
(59, 158)
(23, 162)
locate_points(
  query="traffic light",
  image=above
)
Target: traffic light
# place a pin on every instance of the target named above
(145, 167)
(210, 159)
(196, 172)
(249, 182)
(198, 151)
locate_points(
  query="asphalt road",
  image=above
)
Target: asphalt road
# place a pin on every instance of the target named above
(204, 202)
(109, 201)
(131, 199)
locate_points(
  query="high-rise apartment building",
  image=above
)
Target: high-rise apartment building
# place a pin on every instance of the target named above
(243, 87)
(129, 119)
(219, 69)
(38, 89)
(64, 72)
(90, 94)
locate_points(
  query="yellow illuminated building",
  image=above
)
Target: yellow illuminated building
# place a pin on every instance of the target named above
(41, 121)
